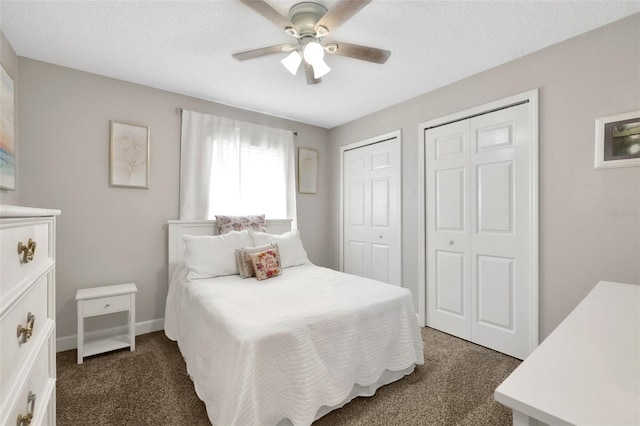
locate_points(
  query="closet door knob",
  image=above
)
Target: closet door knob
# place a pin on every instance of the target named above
(451, 242)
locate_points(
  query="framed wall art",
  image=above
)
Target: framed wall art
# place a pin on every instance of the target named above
(307, 171)
(618, 140)
(7, 132)
(129, 155)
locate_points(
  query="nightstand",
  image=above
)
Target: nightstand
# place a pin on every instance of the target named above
(106, 300)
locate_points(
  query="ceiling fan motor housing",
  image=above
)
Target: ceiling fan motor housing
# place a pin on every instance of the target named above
(305, 15)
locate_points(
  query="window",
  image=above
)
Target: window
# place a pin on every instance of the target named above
(233, 167)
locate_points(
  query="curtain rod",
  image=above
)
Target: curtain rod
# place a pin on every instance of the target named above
(179, 111)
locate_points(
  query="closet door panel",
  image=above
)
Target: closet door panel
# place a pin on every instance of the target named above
(495, 209)
(496, 292)
(448, 295)
(500, 230)
(450, 283)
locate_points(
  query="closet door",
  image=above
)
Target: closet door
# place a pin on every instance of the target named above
(372, 211)
(500, 175)
(448, 263)
(478, 205)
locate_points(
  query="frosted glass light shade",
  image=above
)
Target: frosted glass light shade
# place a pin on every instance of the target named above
(320, 68)
(313, 52)
(292, 62)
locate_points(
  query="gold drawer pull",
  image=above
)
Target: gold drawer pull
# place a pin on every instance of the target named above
(27, 331)
(26, 420)
(27, 251)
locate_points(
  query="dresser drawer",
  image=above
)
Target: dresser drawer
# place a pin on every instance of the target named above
(105, 305)
(13, 351)
(14, 270)
(41, 383)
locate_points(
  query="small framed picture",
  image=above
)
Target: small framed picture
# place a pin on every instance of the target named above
(307, 171)
(129, 155)
(618, 140)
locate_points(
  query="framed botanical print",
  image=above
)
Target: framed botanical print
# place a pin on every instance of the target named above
(129, 155)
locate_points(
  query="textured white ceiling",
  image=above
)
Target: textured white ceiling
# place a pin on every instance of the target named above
(186, 47)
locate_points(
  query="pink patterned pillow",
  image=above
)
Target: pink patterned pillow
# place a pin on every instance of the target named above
(266, 264)
(245, 267)
(239, 223)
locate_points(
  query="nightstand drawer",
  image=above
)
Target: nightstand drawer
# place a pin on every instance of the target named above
(106, 305)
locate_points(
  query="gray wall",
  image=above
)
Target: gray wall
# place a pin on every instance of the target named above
(9, 61)
(115, 235)
(593, 75)
(111, 235)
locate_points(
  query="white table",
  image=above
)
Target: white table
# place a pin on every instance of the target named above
(587, 372)
(106, 300)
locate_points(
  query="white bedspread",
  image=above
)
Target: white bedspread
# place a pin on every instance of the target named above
(262, 351)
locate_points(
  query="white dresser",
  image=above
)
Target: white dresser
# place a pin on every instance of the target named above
(27, 316)
(587, 371)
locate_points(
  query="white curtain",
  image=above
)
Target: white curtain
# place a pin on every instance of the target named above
(235, 168)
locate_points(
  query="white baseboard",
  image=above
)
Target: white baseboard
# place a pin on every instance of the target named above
(71, 342)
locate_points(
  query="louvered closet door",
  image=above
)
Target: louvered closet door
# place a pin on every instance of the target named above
(371, 216)
(479, 205)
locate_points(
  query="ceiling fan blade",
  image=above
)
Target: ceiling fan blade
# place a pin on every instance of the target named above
(308, 71)
(256, 53)
(364, 53)
(270, 13)
(340, 13)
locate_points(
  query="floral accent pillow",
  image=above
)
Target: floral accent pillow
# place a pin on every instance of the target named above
(239, 223)
(245, 267)
(266, 264)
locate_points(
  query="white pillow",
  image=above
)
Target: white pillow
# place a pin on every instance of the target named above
(213, 256)
(292, 252)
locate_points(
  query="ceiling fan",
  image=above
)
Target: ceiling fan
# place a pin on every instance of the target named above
(309, 23)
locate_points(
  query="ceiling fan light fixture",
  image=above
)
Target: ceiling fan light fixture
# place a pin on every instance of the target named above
(320, 68)
(292, 62)
(313, 53)
(310, 22)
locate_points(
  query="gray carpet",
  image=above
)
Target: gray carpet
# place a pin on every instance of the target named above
(150, 387)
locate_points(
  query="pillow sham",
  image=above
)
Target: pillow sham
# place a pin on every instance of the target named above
(208, 256)
(245, 267)
(292, 252)
(239, 223)
(266, 264)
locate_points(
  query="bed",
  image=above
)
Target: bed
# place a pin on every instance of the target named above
(288, 349)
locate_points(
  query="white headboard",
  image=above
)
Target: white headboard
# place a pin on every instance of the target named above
(178, 228)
